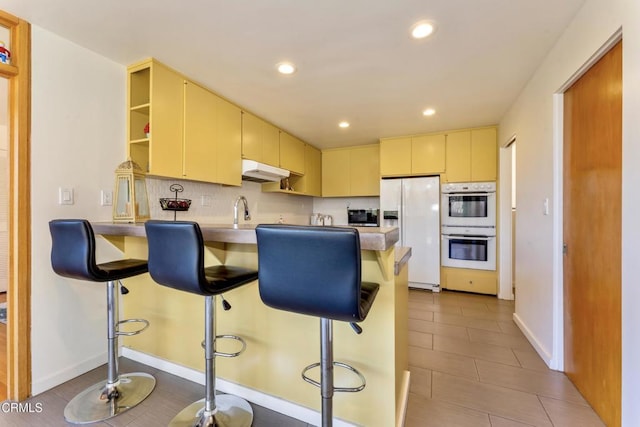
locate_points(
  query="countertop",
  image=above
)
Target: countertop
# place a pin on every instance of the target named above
(371, 238)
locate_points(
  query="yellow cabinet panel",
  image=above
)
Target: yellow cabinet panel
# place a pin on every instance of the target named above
(395, 156)
(260, 140)
(229, 143)
(458, 157)
(200, 147)
(484, 154)
(291, 153)
(428, 154)
(365, 171)
(166, 120)
(251, 137)
(335, 167)
(311, 183)
(462, 279)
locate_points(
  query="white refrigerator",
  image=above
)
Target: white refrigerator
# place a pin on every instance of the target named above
(413, 205)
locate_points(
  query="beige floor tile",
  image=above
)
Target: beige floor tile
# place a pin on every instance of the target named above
(503, 422)
(420, 339)
(500, 401)
(567, 414)
(478, 350)
(501, 308)
(486, 314)
(550, 383)
(440, 308)
(420, 381)
(438, 329)
(422, 296)
(469, 322)
(423, 412)
(420, 314)
(529, 359)
(499, 338)
(438, 361)
(510, 327)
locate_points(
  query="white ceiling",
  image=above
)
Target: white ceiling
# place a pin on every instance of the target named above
(355, 59)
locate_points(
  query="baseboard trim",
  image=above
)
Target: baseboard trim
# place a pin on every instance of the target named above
(403, 399)
(55, 379)
(544, 354)
(268, 401)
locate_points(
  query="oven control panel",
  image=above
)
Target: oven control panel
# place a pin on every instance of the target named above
(469, 187)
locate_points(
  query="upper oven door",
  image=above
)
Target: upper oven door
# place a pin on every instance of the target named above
(469, 209)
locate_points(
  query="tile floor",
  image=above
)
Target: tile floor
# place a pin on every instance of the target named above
(470, 366)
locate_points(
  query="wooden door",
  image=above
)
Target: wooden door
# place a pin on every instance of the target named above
(592, 228)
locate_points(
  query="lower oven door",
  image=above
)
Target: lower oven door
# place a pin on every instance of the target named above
(468, 251)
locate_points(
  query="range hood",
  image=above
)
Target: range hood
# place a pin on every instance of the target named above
(260, 172)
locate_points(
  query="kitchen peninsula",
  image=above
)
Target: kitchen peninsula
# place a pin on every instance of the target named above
(279, 344)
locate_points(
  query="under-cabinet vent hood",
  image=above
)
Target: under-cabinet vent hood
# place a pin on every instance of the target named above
(259, 172)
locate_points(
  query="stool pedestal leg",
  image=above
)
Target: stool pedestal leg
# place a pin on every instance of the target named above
(326, 371)
(120, 392)
(213, 411)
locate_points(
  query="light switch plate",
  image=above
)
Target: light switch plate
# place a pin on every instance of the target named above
(65, 196)
(106, 198)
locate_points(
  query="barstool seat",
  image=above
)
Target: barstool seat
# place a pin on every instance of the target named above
(321, 277)
(73, 255)
(176, 260)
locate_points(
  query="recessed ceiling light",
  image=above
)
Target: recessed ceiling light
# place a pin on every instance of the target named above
(286, 68)
(343, 124)
(422, 29)
(429, 112)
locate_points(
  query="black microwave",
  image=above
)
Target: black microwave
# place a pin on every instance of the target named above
(364, 217)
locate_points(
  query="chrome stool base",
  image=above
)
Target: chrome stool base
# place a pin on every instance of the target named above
(91, 405)
(231, 411)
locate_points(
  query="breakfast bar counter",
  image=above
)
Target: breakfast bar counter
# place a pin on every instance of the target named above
(279, 344)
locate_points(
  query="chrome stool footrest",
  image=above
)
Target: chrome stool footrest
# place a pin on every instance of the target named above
(336, 389)
(231, 337)
(136, 332)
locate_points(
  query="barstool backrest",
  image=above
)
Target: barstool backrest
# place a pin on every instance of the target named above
(73, 249)
(310, 270)
(176, 255)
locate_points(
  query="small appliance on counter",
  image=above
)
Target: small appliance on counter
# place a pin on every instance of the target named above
(363, 217)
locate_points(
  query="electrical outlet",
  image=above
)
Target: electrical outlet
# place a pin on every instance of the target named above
(106, 198)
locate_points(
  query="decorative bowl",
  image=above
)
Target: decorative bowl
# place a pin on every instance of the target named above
(175, 204)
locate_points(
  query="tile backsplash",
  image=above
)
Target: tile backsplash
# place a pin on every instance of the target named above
(263, 207)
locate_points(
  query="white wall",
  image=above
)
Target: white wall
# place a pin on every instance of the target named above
(531, 117)
(78, 128)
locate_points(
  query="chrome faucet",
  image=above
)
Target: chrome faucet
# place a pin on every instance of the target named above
(247, 217)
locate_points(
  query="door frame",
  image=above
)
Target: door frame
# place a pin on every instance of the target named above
(505, 282)
(557, 359)
(18, 74)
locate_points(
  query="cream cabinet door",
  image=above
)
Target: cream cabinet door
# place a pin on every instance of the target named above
(228, 140)
(484, 155)
(312, 179)
(364, 171)
(458, 157)
(270, 144)
(428, 154)
(251, 137)
(395, 156)
(291, 153)
(335, 173)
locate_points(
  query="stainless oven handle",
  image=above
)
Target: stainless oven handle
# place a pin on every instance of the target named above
(467, 237)
(470, 194)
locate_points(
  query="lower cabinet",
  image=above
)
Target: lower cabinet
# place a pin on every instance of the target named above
(468, 280)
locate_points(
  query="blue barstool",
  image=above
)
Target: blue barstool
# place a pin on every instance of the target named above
(321, 277)
(176, 260)
(73, 255)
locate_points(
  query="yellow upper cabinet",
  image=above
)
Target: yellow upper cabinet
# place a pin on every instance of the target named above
(291, 153)
(311, 182)
(193, 133)
(395, 156)
(260, 140)
(364, 170)
(416, 155)
(471, 155)
(335, 173)
(351, 171)
(484, 154)
(427, 154)
(458, 152)
(155, 98)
